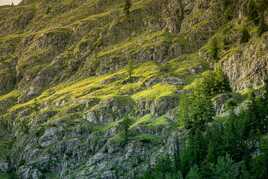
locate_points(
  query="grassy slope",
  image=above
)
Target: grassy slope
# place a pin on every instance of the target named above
(75, 15)
(87, 23)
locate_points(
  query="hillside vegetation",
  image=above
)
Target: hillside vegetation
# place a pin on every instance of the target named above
(143, 89)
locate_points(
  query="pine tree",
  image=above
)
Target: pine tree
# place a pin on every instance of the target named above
(194, 173)
(128, 4)
(213, 83)
(124, 127)
(194, 151)
(256, 11)
(130, 69)
(262, 6)
(214, 47)
(225, 168)
(214, 136)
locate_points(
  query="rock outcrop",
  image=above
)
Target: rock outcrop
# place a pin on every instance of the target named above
(88, 91)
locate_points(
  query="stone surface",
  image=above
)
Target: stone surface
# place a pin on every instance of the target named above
(4, 166)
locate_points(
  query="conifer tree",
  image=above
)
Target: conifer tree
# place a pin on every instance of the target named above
(194, 173)
(130, 69)
(124, 127)
(128, 4)
(225, 168)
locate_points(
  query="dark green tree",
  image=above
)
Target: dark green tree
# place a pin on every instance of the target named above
(215, 140)
(123, 127)
(213, 83)
(256, 11)
(128, 4)
(195, 111)
(130, 69)
(194, 151)
(214, 47)
(245, 36)
(259, 164)
(35, 107)
(226, 168)
(262, 6)
(194, 173)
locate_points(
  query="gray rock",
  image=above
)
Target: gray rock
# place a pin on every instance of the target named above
(179, 92)
(174, 81)
(4, 166)
(49, 137)
(108, 175)
(197, 69)
(151, 82)
(164, 104)
(219, 102)
(111, 109)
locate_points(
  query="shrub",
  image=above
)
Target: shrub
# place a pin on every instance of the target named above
(213, 83)
(214, 47)
(245, 36)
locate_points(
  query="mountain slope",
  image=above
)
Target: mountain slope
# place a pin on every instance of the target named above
(89, 91)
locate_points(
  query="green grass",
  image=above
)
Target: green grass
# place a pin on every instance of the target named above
(147, 138)
(12, 94)
(112, 84)
(156, 91)
(7, 176)
(82, 23)
(132, 45)
(141, 121)
(161, 121)
(150, 121)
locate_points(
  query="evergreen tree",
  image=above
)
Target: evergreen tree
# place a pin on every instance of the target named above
(130, 69)
(244, 173)
(35, 107)
(194, 173)
(262, 6)
(225, 168)
(214, 47)
(215, 140)
(196, 111)
(124, 127)
(213, 83)
(128, 4)
(256, 13)
(194, 151)
(245, 34)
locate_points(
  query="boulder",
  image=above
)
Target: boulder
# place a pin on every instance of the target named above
(4, 166)
(174, 81)
(51, 136)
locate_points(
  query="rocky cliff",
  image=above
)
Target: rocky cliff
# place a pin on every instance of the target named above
(72, 71)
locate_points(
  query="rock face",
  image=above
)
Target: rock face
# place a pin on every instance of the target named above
(92, 146)
(247, 67)
(111, 109)
(88, 91)
(4, 167)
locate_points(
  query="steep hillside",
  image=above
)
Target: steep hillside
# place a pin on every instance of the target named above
(92, 89)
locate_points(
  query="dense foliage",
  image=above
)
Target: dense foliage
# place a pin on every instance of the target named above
(231, 146)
